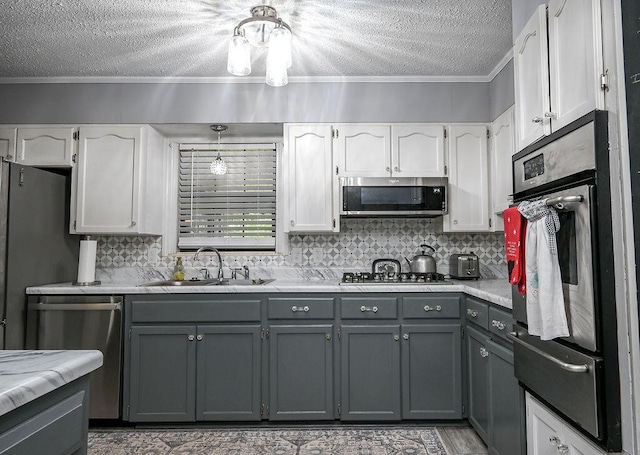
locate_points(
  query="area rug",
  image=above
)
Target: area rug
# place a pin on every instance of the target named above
(267, 441)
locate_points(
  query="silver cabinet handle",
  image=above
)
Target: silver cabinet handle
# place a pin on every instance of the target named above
(498, 324)
(484, 353)
(563, 448)
(199, 337)
(554, 440)
(396, 337)
(300, 308)
(388, 169)
(430, 308)
(366, 308)
(536, 120)
(328, 336)
(191, 338)
(396, 169)
(472, 313)
(405, 336)
(570, 367)
(550, 114)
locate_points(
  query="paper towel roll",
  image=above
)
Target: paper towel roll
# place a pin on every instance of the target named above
(87, 261)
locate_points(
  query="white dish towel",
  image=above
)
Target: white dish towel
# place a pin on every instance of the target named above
(546, 314)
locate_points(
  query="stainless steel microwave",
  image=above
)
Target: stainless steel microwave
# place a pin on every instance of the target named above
(391, 196)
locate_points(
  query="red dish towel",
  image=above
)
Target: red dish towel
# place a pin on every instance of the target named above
(515, 229)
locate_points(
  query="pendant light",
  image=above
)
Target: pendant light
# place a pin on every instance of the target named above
(218, 166)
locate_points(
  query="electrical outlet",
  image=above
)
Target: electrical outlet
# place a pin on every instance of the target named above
(296, 256)
(318, 255)
(153, 255)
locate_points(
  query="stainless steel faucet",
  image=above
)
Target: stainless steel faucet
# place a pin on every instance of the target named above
(210, 248)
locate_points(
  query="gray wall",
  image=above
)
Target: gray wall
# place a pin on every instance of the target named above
(245, 103)
(521, 12)
(502, 91)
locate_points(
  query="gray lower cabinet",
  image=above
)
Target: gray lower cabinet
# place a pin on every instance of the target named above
(162, 374)
(370, 372)
(184, 373)
(431, 371)
(301, 372)
(496, 404)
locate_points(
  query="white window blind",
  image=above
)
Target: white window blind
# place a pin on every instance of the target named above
(232, 211)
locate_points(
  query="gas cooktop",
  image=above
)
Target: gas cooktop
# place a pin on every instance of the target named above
(393, 278)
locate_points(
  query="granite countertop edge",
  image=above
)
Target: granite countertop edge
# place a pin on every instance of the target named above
(497, 291)
(27, 375)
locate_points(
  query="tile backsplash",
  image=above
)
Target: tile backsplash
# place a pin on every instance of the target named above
(356, 246)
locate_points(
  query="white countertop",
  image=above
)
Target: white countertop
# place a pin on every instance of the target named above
(497, 291)
(28, 375)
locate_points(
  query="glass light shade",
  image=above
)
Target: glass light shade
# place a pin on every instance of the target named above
(276, 73)
(239, 58)
(218, 166)
(280, 45)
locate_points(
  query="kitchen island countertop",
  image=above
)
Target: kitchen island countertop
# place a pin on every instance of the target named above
(497, 291)
(28, 375)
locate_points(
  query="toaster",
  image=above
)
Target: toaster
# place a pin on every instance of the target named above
(464, 266)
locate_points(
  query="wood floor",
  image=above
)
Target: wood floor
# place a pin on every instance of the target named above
(462, 441)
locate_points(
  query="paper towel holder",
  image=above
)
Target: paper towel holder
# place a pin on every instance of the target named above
(80, 260)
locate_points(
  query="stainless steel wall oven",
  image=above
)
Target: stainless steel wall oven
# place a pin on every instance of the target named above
(577, 375)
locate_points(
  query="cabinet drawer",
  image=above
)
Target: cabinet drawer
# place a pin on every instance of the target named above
(477, 312)
(430, 307)
(369, 307)
(196, 310)
(300, 308)
(500, 322)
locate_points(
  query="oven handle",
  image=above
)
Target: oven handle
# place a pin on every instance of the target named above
(570, 367)
(563, 199)
(75, 306)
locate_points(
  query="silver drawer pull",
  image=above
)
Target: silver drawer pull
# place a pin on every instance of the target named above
(498, 324)
(300, 308)
(191, 337)
(472, 313)
(554, 440)
(484, 353)
(366, 308)
(430, 308)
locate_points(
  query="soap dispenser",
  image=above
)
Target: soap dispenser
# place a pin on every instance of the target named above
(178, 270)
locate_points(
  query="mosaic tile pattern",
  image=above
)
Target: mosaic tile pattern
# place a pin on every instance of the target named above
(295, 441)
(356, 246)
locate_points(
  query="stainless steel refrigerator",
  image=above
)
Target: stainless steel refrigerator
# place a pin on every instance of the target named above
(35, 245)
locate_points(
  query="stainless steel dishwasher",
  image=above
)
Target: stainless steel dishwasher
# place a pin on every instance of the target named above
(84, 322)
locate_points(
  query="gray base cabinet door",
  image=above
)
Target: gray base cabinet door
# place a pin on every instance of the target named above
(431, 371)
(301, 372)
(505, 398)
(162, 376)
(370, 372)
(478, 367)
(229, 372)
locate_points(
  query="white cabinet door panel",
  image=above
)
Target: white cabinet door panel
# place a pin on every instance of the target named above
(363, 150)
(8, 143)
(575, 59)
(502, 149)
(45, 146)
(531, 72)
(417, 150)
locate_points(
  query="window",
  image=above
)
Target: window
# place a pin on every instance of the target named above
(235, 211)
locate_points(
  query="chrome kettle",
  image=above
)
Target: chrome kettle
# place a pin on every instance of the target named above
(423, 262)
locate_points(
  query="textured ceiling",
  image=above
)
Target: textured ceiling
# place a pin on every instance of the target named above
(364, 39)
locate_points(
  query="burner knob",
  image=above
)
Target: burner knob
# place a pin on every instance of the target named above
(413, 277)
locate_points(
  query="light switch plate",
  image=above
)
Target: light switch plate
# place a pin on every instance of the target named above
(153, 255)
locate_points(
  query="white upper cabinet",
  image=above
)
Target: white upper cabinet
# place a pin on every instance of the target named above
(417, 150)
(45, 146)
(8, 143)
(363, 150)
(502, 149)
(398, 150)
(118, 181)
(558, 68)
(575, 59)
(531, 71)
(311, 186)
(468, 179)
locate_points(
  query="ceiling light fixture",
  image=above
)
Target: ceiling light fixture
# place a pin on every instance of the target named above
(218, 166)
(263, 29)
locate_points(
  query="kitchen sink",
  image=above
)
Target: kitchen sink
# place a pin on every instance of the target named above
(209, 282)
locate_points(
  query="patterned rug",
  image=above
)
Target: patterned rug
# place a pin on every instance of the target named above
(298, 441)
